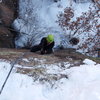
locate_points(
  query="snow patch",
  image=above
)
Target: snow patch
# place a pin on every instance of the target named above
(83, 83)
(89, 62)
(26, 60)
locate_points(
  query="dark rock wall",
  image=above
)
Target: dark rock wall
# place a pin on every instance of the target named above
(6, 38)
(8, 13)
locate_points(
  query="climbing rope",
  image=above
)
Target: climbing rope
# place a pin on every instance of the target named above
(12, 66)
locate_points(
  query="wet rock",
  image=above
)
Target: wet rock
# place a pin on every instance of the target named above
(6, 38)
(8, 10)
(74, 41)
(8, 13)
(13, 5)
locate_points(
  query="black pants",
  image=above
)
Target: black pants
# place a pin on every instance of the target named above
(36, 48)
(39, 48)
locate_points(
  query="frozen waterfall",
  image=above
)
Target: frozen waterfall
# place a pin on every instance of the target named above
(38, 18)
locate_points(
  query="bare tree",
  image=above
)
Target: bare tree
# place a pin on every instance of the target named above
(87, 24)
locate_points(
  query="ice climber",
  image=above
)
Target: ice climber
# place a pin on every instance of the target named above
(45, 46)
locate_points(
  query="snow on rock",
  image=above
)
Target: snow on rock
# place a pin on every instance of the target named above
(26, 60)
(83, 83)
(89, 62)
(4, 69)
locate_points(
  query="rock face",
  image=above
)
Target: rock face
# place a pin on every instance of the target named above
(6, 38)
(8, 12)
(6, 15)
